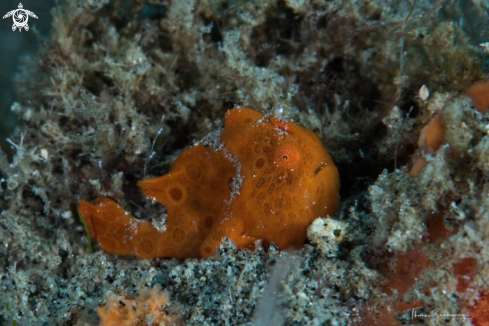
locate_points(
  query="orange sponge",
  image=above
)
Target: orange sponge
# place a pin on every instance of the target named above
(479, 93)
(143, 310)
(431, 137)
(430, 140)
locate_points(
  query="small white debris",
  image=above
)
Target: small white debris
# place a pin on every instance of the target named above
(326, 234)
(424, 93)
(457, 212)
(485, 47)
(66, 215)
(44, 153)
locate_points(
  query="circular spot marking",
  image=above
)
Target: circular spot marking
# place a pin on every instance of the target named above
(259, 163)
(207, 250)
(290, 180)
(261, 197)
(267, 149)
(259, 183)
(257, 137)
(146, 246)
(176, 194)
(178, 235)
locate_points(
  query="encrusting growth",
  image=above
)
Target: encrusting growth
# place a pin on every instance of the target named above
(479, 93)
(119, 311)
(288, 180)
(430, 140)
(432, 136)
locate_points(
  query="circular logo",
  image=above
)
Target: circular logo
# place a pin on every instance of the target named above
(20, 18)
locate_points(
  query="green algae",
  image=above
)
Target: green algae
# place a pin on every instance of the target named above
(87, 232)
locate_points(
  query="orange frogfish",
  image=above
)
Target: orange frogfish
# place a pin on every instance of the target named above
(282, 179)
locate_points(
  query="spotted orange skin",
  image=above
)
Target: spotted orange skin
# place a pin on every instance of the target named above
(287, 180)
